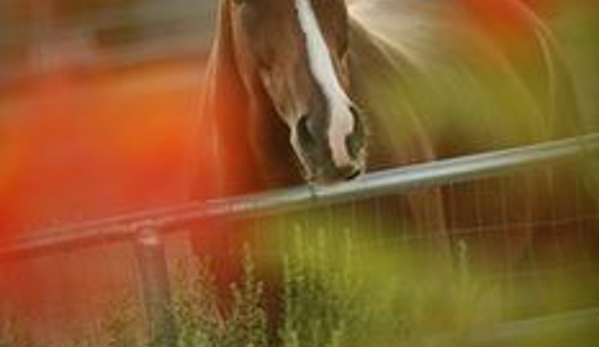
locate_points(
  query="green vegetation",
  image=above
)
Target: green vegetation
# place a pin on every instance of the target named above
(335, 288)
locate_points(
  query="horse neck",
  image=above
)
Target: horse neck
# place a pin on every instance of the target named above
(390, 62)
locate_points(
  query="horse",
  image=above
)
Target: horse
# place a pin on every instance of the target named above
(321, 91)
(345, 88)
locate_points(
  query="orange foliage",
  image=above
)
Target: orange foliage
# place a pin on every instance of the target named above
(82, 146)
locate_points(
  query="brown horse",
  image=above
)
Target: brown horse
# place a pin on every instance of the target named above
(322, 90)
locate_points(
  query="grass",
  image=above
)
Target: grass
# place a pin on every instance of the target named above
(336, 288)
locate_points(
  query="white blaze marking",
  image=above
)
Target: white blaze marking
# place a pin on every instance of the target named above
(321, 65)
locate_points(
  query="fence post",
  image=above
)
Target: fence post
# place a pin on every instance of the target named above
(155, 287)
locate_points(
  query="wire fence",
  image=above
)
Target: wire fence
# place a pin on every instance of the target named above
(484, 198)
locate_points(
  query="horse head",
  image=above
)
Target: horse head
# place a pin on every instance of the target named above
(292, 55)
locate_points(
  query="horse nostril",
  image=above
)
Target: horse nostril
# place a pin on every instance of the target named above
(353, 144)
(355, 141)
(304, 134)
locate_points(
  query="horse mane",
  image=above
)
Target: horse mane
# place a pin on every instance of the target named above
(231, 155)
(222, 100)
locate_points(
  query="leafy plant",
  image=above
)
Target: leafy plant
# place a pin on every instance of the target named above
(201, 321)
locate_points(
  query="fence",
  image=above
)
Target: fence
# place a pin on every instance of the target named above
(146, 229)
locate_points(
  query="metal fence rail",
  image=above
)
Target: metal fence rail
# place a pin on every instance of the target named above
(380, 183)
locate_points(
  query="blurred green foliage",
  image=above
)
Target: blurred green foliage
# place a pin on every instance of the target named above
(339, 287)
